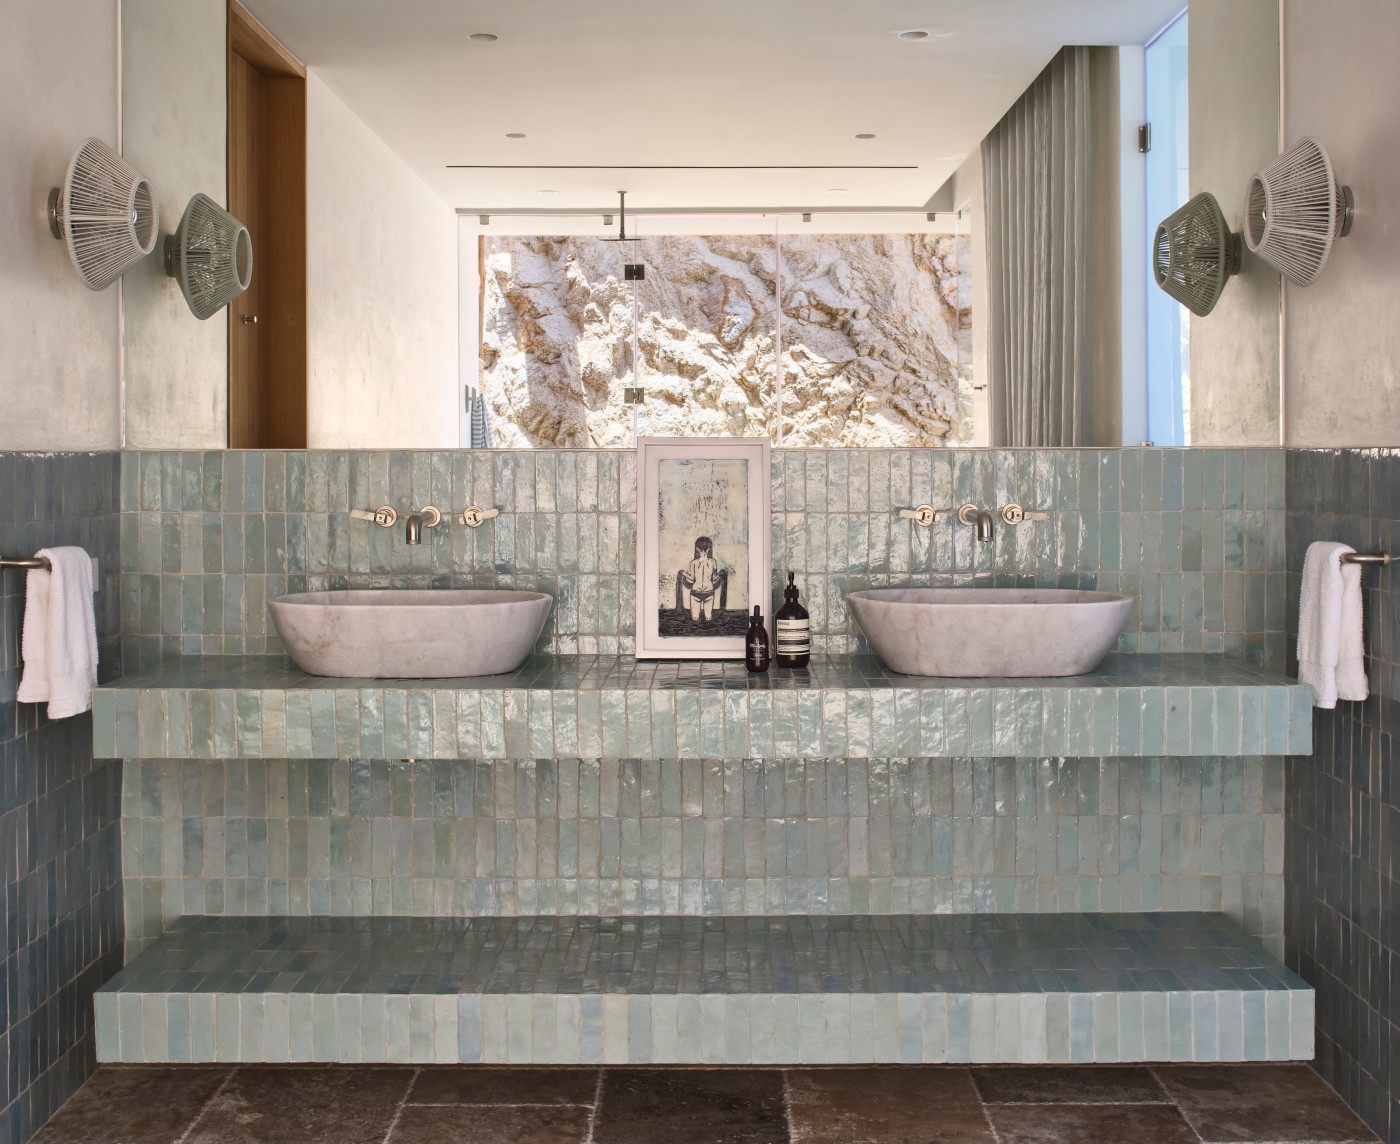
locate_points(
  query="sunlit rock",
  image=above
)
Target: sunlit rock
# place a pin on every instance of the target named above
(875, 339)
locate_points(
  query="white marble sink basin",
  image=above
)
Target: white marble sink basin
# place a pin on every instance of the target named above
(990, 632)
(410, 634)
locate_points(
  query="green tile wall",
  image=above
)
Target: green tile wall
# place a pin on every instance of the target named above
(61, 923)
(1196, 536)
(702, 837)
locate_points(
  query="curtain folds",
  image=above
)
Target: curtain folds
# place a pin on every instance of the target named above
(1039, 210)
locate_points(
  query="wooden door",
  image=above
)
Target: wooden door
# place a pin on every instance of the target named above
(267, 191)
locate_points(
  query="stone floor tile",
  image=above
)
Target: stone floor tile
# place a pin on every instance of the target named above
(133, 1105)
(484, 1124)
(485, 1084)
(1069, 1085)
(697, 1106)
(283, 1105)
(1276, 1103)
(885, 1106)
(1089, 1124)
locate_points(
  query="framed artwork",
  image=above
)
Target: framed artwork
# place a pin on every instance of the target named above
(703, 539)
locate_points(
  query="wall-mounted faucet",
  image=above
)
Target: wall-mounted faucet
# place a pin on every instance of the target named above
(384, 515)
(428, 517)
(925, 514)
(1015, 514)
(982, 519)
(475, 516)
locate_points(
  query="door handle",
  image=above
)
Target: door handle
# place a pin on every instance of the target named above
(250, 319)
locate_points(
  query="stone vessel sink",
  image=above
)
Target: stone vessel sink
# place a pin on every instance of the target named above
(410, 634)
(996, 632)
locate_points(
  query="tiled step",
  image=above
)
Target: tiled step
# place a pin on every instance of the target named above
(765, 990)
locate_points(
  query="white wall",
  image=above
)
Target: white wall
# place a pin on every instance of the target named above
(174, 100)
(1343, 339)
(59, 341)
(382, 261)
(1234, 52)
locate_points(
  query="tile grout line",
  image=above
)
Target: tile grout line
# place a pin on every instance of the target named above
(787, 1108)
(986, 1111)
(597, 1106)
(498, 1104)
(218, 1092)
(1080, 1103)
(1152, 1072)
(398, 1111)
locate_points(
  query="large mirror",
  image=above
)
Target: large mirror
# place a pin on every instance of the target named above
(843, 226)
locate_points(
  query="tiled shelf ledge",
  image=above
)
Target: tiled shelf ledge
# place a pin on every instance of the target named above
(1002, 989)
(217, 707)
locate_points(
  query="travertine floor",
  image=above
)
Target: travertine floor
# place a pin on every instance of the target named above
(1214, 1104)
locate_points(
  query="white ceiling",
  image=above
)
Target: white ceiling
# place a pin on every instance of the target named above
(720, 83)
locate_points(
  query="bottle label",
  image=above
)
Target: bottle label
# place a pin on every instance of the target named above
(757, 655)
(794, 637)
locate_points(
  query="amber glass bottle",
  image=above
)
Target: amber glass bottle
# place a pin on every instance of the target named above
(756, 651)
(794, 629)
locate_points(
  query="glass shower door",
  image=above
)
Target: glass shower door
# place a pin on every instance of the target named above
(1168, 178)
(705, 340)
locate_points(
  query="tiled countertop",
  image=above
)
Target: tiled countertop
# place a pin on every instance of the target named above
(617, 707)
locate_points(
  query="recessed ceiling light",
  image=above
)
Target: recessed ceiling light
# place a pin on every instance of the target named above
(483, 38)
(921, 34)
(913, 35)
(515, 135)
(549, 191)
(866, 135)
(839, 191)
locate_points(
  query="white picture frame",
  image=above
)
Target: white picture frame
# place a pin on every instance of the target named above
(704, 539)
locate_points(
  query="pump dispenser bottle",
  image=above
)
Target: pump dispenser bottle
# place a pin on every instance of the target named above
(793, 629)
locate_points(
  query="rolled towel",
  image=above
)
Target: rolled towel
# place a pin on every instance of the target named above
(479, 436)
(59, 641)
(1331, 649)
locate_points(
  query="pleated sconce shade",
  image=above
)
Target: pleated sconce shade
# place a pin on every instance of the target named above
(1195, 254)
(1296, 210)
(105, 212)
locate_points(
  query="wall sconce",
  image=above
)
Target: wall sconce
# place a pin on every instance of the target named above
(1295, 210)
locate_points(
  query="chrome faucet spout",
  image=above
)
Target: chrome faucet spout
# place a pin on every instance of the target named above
(981, 519)
(417, 521)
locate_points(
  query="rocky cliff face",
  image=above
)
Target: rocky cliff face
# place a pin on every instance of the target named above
(874, 328)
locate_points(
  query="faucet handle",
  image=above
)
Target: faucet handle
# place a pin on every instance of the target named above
(384, 516)
(1015, 514)
(924, 514)
(475, 517)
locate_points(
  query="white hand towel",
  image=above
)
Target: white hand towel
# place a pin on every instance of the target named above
(1331, 652)
(59, 643)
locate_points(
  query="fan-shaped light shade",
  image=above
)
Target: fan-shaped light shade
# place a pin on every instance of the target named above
(210, 256)
(1295, 211)
(105, 212)
(1194, 254)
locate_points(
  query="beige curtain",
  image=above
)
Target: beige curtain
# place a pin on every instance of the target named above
(1038, 166)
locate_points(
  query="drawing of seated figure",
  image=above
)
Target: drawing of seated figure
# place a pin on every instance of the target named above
(700, 581)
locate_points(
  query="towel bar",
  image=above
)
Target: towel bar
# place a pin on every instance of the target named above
(1381, 558)
(24, 562)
